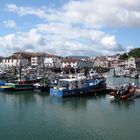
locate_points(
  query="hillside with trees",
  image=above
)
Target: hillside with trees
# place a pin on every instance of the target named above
(132, 53)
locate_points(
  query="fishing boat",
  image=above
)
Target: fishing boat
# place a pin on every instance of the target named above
(41, 87)
(15, 87)
(26, 81)
(78, 86)
(134, 74)
(124, 91)
(126, 73)
(118, 72)
(3, 86)
(2, 83)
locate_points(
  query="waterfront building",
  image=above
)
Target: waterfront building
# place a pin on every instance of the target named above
(37, 59)
(76, 63)
(138, 64)
(101, 61)
(13, 60)
(51, 61)
(1, 58)
(1, 65)
(131, 63)
(113, 61)
(23, 59)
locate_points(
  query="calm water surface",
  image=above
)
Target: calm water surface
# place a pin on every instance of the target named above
(29, 116)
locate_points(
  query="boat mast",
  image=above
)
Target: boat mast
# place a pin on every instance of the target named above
(20, 67)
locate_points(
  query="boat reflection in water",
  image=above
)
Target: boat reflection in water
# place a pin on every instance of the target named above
(76, 102)
(121, 104)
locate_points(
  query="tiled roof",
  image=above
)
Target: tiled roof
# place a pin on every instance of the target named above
(70, 60)
(52, 55)
(29, 54)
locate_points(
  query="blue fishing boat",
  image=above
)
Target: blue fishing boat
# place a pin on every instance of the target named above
(78, 87)
(2, 83)
(4, 87)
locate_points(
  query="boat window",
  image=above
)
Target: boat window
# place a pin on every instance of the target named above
(63, 83)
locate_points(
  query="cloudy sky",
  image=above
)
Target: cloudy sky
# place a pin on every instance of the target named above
(69, 27)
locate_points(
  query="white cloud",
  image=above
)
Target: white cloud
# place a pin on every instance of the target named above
(101, 13)
(10, 24)
(98, 13)
(23, 11)
(73, 28)
(22, 41)
(109, 41)
(62, 39)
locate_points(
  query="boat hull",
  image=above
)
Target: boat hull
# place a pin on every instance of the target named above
(16, 87)
(41, 88)
(60, 92)
(75, 92)
(125, 96)
(5, 88)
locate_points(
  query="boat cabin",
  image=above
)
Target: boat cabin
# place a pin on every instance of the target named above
(71, 83)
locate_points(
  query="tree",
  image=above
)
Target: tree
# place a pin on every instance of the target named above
(124, 56)
(134, 52)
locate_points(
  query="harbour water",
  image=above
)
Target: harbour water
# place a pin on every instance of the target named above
(30, 116)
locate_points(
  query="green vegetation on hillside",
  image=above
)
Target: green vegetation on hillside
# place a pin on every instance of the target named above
(124, 56)
(132, 53)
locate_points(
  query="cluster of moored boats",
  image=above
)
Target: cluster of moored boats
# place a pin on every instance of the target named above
(74, 85)
(125, 73)
(70, 86)
(21, 85)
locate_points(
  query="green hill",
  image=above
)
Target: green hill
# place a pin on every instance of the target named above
(132, 53)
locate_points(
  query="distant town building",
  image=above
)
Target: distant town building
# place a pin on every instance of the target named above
(52, 61)
(13, 61)
(131, 63)
(101, 61)
(42, 60)
(1, 58)
(138, 64)
(23, 59)
(76, 63)
(37, 59)
(113, 61)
